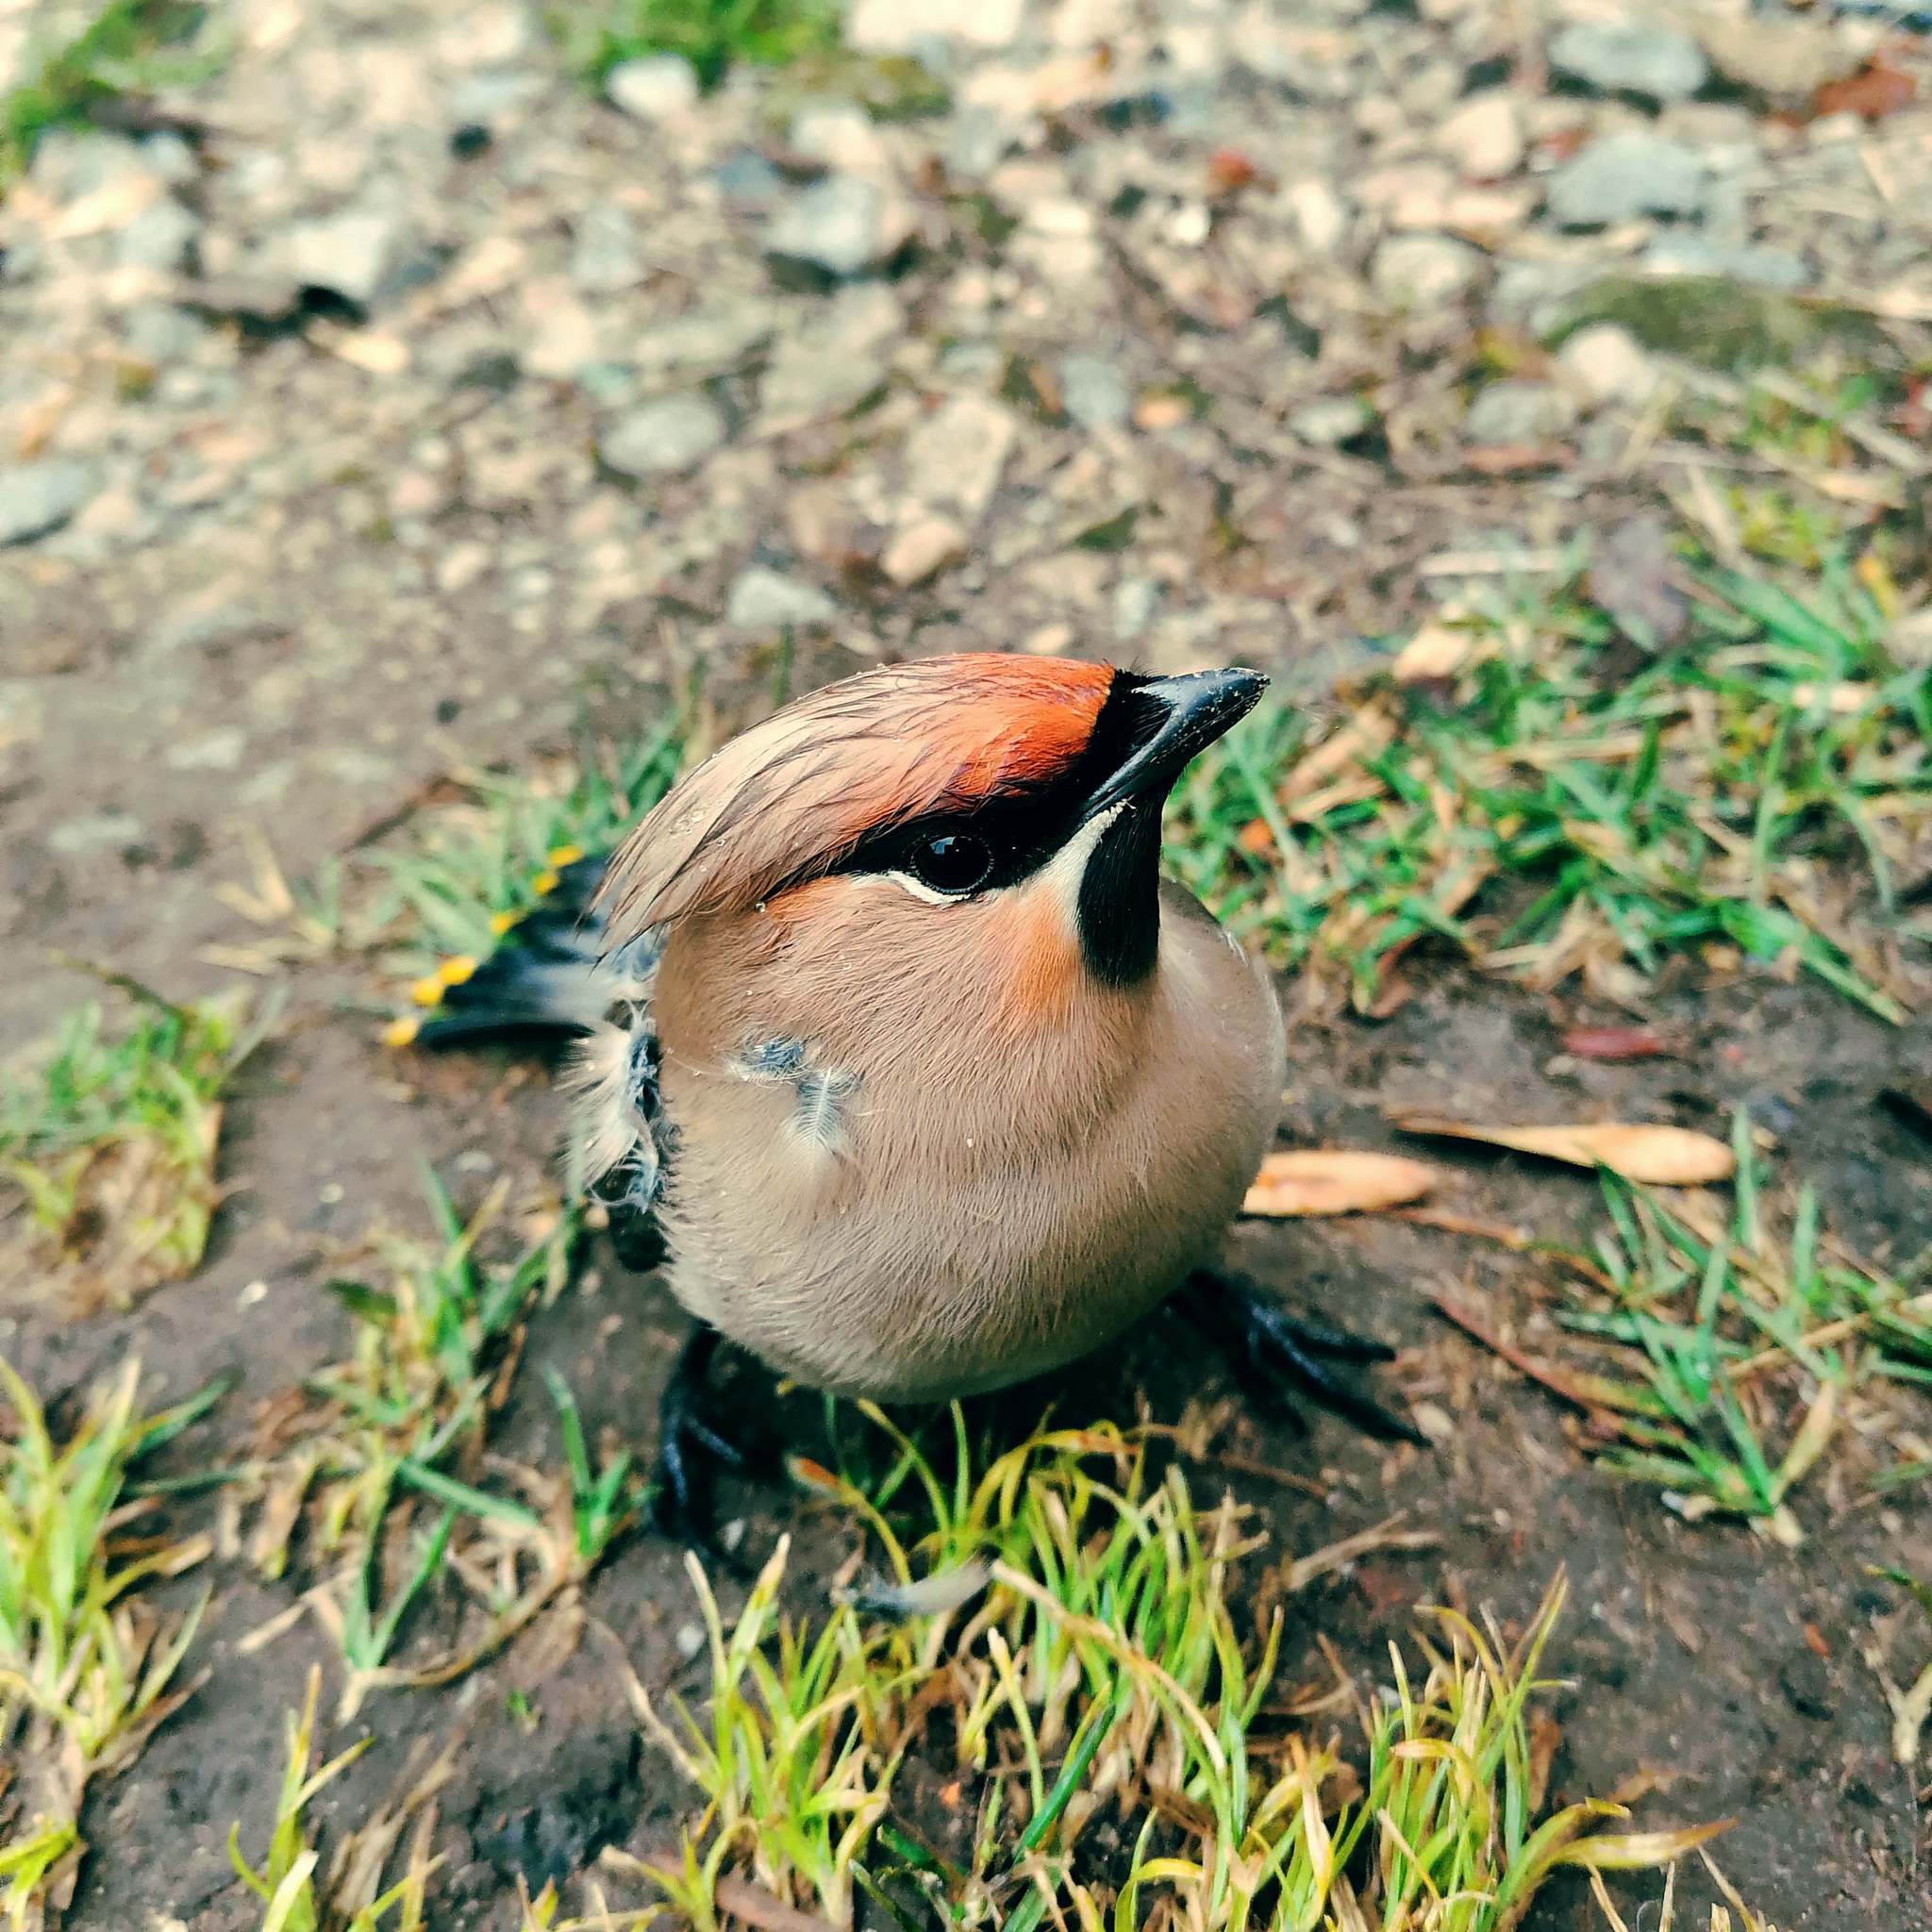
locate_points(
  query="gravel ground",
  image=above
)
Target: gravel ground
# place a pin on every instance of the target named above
(391, 400)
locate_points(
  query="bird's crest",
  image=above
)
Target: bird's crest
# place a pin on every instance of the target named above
(789, 799)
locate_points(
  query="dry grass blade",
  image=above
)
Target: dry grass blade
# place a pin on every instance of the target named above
(1336, 1180)
(1583, 1392)
(1653, 1154)
(88, 1669)
(1299, 1572)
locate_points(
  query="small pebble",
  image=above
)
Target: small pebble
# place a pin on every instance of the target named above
(1484, 137)
(652, 89)
(921, 550)
(1658, 63)
(1621, 177)
(1413, 272)
(38, 497)
(766, 600)
(1608, 364)
(662, 438)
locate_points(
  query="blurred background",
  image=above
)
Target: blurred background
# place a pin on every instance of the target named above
(424, 426)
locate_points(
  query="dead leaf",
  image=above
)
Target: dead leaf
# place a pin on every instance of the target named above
(367, 349)
(1513, 459)
(1161, 410)
(1229, 171)
(111, 205)
(1435, 651)
(1662, 1156)
(1336, 1180)
(1368, 732)
(1630, 577)
(1871, 94)
(1614, 1042)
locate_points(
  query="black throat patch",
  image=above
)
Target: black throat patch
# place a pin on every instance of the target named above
(1120, 897)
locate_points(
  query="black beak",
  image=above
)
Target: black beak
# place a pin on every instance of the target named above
(1172, 719)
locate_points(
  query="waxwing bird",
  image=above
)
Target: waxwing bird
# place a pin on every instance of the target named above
(897, 1042)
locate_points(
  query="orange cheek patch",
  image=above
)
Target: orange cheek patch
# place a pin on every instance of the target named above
(1038, 959)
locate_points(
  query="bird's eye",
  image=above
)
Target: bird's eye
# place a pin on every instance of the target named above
(954, 863)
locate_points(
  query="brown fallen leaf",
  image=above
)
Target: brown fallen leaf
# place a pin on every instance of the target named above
(1614, 1042)
(1229, 171)
(1435, 651)
(1665, 1156)
(1513, 459)
(1336, 1180)
(1871, 94)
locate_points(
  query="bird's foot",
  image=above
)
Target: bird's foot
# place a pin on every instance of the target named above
(1275, 1352)
(690, 1447)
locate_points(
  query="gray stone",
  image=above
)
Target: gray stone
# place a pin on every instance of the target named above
(837, 135)
(900, 27)
(487, 97)
(844, 225)
(654, 87)
(1621, 177)
(833, 361)
(604, 256)
(956, 456)
(765, 600)
(1789, 59)
(168, 156)
(91, 831)
(1514, 412)
(1331, 421)
(349, 254)
(977, 139)
(38, 497)
(922, 549)
(214, 751)
(1135, 601)
(162, 235)
(69, 163)
(662, 438)
(1757, 266)
(1484, 137)
(156, 332)
(703, 341)
(1419, 271)
(1608, 364)
(972, 364)
(1093, 393)
(1623, 58)
(1320, 218)
(747, 179)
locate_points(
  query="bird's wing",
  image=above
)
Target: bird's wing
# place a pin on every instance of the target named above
(546, 976)
(551, 975)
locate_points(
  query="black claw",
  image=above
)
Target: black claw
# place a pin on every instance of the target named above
(682, 1505)
(1267, 1346)
(1317, 1338)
